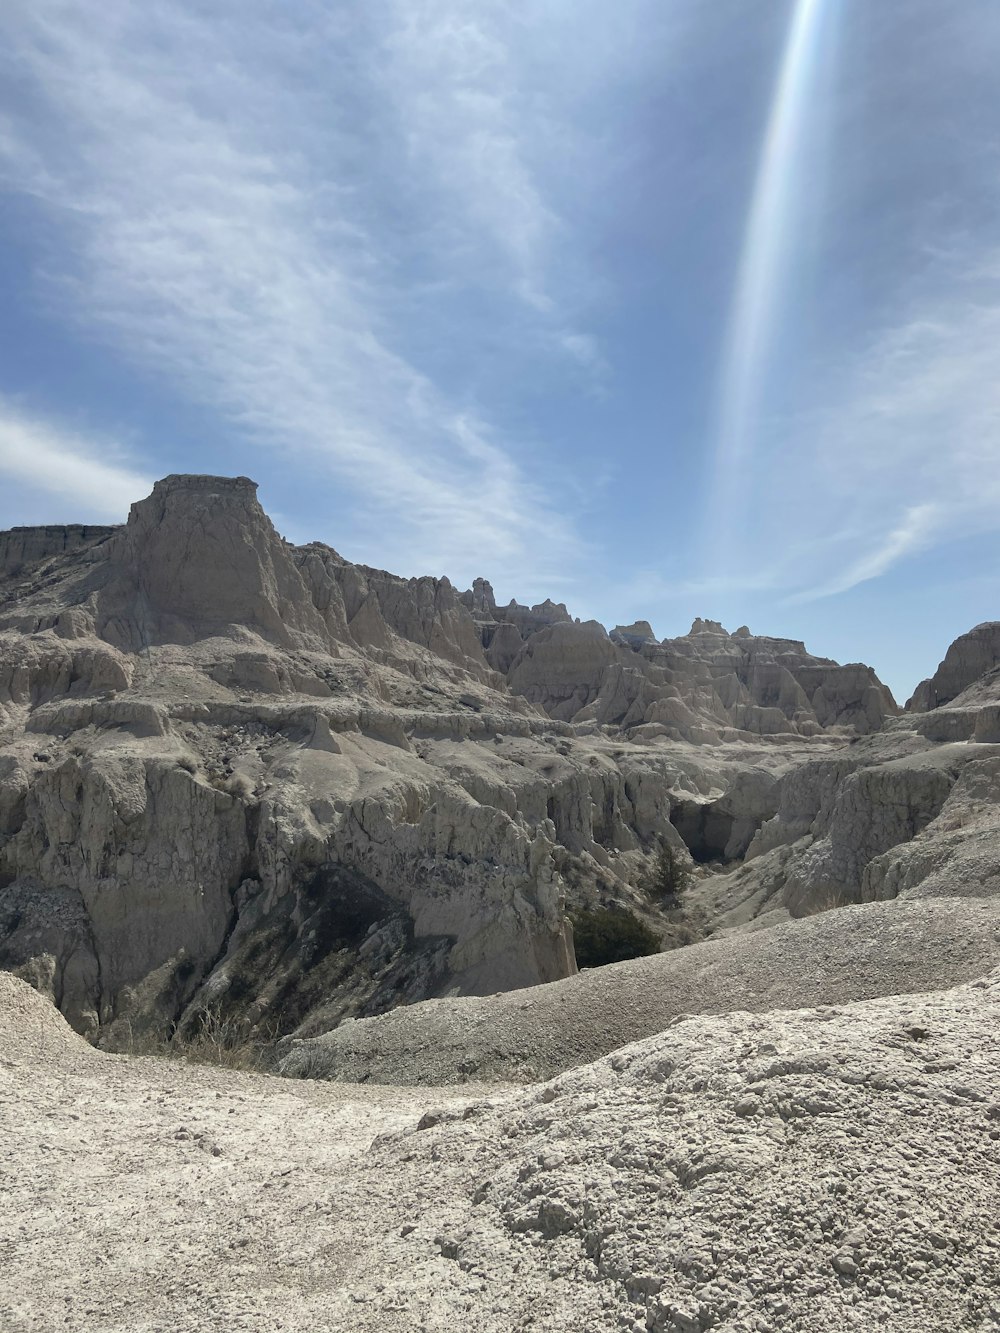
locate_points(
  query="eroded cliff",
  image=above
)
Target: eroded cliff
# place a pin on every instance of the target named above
(242, 775)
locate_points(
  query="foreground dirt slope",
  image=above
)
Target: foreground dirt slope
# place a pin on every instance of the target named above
(825, 1169)
(855, 953)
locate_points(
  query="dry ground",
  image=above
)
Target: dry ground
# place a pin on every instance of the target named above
(790, 1172)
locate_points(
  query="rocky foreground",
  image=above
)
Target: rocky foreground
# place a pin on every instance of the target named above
(817, 1170)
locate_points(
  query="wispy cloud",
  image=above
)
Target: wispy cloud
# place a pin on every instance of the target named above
(59, 460)
(339, 229)
(914, 532)
(906, 454)
(222, 226)
(456, 91)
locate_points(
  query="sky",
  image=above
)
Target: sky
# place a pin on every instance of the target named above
(662, 308)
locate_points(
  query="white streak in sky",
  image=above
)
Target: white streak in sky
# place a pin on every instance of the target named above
(769, 238)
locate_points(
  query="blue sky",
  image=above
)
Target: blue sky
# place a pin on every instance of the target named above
(661, 308)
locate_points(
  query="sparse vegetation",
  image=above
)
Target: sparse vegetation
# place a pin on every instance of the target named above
(211, 1039)
(668, 878)
(233, 784)
(682, 928)
(603, 935)
(208, 1038)
(827, 900)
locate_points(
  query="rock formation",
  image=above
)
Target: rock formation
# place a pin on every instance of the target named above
(707, 686)
(245, 776)
(911, 811)
(212, 739)
(969, 658)
(248, 786)
(831, 958)
(32, 546)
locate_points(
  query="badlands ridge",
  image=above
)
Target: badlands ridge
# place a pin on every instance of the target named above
(349, 815)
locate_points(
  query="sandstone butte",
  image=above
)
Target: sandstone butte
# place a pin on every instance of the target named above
(256, 796)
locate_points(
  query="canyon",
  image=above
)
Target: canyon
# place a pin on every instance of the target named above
(242, 774)
(347, 819)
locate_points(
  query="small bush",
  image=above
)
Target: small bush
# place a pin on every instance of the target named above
(668, 878)
(602, 935)
(213, 1040)
(232, 784)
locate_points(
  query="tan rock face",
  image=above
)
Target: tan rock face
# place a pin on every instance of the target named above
(707, 686)
(898, 815)
(199, 555)
(152, 856)
(561, 668)
(244, 774)
(23, 547)
(203, 726)
(969, 658)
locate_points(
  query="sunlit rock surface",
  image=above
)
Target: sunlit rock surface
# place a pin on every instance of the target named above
(243, 775)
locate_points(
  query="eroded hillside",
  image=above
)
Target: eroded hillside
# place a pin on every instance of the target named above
(242, 776)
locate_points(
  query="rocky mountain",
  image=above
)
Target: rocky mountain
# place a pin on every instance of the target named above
(245, 776)
(708, 686)
(252, 788)
(970, 658)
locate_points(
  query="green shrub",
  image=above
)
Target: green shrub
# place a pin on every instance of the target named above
(668, 878)
(602, 935)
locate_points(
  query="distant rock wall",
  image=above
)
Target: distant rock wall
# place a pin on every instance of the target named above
(27, 546)
(705, 687)
(238, 772)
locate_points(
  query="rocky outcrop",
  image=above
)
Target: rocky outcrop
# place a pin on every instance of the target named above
(22, 547)
(211, 737)
(859, 815)
(527, 620)
(765, 685)
(970, 657)
(423, 611)
(562, 668)
(721, 828)
(635, 635)
(199, 557)
(705, 687)
(830, 959)
(239, 773)
(142, 853)
(956, 852)
(911, 811)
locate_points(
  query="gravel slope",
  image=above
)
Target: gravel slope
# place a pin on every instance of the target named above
(854, 953)
(791, 1172)
(144, 1195)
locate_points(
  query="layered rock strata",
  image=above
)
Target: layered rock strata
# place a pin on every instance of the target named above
(250, 776)
(912, 811)
(220, 749)
(707, 686)
(971, 657)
